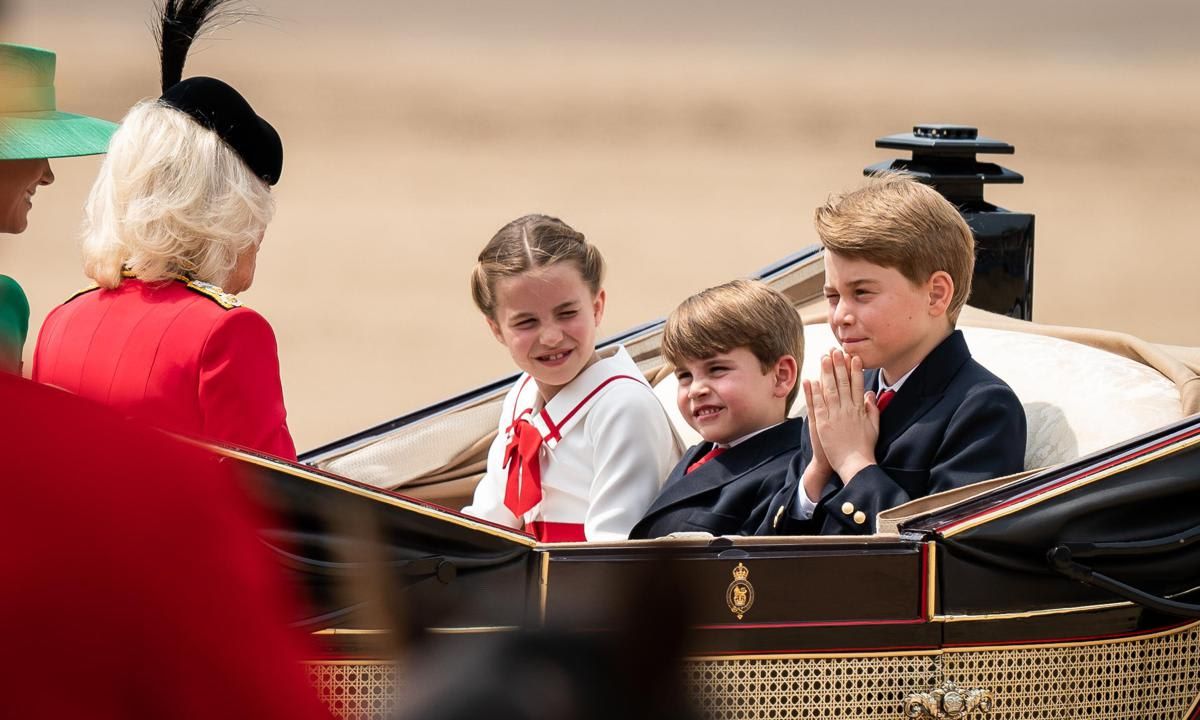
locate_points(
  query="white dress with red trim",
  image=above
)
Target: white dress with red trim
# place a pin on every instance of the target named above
(584, 466)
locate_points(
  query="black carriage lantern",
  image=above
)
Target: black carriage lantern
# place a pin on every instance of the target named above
(944, 157)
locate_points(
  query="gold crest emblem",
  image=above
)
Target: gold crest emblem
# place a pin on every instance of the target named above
(739, 596)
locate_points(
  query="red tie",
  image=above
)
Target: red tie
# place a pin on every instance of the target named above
(524, 488)
(717, 450)
(884, 399)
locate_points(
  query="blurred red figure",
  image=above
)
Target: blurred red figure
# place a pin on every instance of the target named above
(135, 586)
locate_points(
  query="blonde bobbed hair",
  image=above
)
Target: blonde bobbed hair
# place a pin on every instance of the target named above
(171, 199)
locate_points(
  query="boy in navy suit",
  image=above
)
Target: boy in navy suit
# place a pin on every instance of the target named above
(736, 349)
(925, 417)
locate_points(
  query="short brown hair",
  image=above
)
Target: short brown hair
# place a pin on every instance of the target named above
(742, 313)
(529, 242)
(896, 222)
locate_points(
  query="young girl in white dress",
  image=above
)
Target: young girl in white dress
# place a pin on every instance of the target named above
(583, 443)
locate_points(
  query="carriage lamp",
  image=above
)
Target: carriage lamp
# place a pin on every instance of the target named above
(944, 157)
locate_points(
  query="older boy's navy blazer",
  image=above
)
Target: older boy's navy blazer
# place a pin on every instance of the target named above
(951, 424)
(727, 495)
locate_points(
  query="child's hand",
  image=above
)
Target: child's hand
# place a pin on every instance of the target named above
(818, 471)
(846, 419)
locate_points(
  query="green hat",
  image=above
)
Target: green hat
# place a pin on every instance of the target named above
(30, 125)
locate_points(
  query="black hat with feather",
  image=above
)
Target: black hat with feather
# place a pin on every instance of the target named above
(208, 101)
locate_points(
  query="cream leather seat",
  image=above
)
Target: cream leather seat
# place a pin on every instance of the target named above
(1077, 399)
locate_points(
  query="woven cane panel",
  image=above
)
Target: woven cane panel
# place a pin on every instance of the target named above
(1134, 680)
(356, 691)
(855, 687)
(1156, 678)
(1142, 679)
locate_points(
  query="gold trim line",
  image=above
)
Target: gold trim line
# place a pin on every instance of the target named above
(1031, 613)
(543, 587)
(519, 538)
(479, 630)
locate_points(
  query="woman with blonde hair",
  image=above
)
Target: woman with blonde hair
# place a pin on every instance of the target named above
(174, 224)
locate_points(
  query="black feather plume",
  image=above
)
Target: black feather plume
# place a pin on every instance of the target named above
(182, 22)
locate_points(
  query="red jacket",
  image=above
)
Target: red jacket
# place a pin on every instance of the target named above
(183, 356)
(135, 584)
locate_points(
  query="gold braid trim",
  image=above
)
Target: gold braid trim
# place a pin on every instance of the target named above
(226, 300)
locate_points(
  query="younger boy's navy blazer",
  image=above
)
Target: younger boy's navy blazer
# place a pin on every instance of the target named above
(727, 495)
(951, 424)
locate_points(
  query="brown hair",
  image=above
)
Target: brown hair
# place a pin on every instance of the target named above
(529, 242)
(896, 222)
(742, 313)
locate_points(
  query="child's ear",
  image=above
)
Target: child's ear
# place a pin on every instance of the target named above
(941, 292)
(598, 306)
(786, 371)
(495, 328)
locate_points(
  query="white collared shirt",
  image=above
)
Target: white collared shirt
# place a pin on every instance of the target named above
(894, 387)
(746, 437)
(607, 446)
(807, 506)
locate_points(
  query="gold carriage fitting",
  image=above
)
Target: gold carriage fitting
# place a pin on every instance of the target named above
(1031, 596)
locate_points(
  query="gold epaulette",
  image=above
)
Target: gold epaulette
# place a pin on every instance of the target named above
(84, 291)
(226, 300)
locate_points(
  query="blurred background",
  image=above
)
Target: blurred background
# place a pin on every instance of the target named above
(689, 139)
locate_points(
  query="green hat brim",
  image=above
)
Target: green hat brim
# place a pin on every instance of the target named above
(29, 136)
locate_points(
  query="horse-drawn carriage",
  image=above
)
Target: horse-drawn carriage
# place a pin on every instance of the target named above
(1069, 590)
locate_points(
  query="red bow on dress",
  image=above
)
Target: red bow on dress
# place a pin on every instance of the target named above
(524, 488)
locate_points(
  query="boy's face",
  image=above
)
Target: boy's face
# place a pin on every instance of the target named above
(879, 315)
(728, 396)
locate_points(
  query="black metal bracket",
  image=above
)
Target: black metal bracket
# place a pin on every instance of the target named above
(1062, 559)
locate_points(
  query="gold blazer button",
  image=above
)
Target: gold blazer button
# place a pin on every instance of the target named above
(847, 508)
(860, 517)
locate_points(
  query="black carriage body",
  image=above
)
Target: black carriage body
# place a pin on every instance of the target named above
(1064, 593)
(975, 572)
(960, 599)
(984, 557)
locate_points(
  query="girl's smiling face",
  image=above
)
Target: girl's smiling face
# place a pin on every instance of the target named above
(547, 318)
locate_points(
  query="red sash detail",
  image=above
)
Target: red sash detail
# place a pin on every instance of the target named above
(524, 488)
(556, 531)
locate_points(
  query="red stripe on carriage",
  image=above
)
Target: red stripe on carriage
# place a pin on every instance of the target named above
(555, 531)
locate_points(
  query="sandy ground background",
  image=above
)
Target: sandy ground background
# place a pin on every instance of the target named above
(690, 139)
